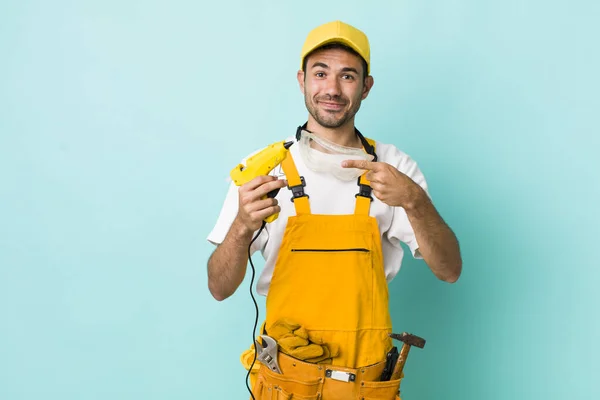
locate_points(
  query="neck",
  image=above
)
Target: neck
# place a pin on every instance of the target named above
(344, 135)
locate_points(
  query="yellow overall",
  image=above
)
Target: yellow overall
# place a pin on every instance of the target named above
(329, 278)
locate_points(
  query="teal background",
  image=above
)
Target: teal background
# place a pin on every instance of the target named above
(120, 121)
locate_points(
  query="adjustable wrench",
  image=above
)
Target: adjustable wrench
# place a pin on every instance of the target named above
(267, 354)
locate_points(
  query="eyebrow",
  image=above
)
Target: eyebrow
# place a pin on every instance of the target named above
(350, 69)
(320, 64)
(345, 69)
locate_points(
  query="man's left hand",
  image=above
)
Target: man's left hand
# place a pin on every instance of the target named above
(389, 185)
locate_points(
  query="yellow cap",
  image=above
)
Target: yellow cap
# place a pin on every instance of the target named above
(338, 31)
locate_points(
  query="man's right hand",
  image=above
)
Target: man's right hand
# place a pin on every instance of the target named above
(252, 209)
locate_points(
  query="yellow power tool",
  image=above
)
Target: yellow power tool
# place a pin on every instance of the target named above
(259, 164)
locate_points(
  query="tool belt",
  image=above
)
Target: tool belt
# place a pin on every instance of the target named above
(307, 381)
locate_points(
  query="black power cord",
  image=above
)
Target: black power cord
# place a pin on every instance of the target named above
(255, 306)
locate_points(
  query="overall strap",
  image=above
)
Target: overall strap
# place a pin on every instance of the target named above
(363, 197)
(296, 185)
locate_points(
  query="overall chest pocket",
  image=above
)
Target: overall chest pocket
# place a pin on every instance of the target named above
(340, 250)
(326, 283)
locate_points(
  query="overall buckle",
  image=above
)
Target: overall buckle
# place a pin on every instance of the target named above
(298, 190)
(364, 190)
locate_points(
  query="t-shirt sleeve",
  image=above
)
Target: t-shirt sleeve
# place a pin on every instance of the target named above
(400, 228)
(226, 217)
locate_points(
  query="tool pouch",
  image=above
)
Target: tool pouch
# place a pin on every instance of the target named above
(273, 386)
(307, 381)
(387, 390)
(268, 385)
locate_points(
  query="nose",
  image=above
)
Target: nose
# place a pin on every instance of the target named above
(333, 87)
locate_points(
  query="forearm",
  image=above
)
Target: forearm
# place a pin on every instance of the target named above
(227, 264)
(437, 243)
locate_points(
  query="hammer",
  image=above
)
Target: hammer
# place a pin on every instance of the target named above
(408, 340)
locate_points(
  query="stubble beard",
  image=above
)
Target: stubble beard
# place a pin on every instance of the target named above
(330, 120)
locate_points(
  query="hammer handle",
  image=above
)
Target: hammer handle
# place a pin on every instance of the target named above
(400, 363)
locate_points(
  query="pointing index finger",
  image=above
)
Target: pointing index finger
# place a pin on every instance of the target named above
(360, 164)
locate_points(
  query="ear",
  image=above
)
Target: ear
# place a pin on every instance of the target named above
(300, 78)
(368, 84)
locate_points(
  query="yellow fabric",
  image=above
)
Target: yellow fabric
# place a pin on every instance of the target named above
(328, 291)
(337, 31)
(340, 295)
(329, 278)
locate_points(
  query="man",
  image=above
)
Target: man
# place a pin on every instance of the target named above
(334, 248)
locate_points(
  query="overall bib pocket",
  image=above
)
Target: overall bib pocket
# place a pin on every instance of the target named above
(273, 386)
(356, 249)
(315, 270)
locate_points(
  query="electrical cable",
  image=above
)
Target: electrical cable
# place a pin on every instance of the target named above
(255, 306)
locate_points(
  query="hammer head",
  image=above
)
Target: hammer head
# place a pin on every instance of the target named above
(409, 339)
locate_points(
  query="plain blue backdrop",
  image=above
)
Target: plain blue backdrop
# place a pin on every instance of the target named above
(120, 122)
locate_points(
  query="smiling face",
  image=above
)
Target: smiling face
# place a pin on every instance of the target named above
(334, 84)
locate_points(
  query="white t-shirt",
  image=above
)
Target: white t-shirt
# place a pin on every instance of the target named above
(329, 195)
